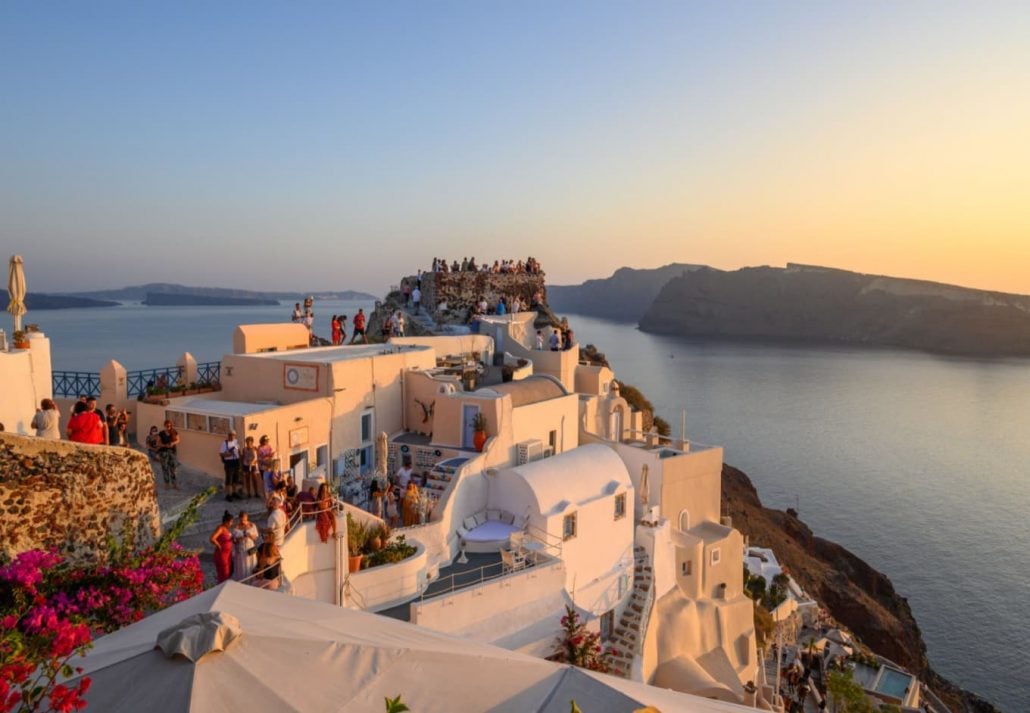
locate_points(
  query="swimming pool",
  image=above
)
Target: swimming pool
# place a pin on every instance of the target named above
(893, 683)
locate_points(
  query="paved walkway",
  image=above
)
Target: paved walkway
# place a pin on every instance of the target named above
(196, 537)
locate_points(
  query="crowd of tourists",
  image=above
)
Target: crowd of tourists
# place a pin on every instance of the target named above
(400, 500)
(499, 267)
(253, 472)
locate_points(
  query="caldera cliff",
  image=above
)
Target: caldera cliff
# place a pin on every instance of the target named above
(855, 594)
(813, 304)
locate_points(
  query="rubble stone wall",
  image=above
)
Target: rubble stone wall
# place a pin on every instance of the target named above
(71, 496)
(461, 290)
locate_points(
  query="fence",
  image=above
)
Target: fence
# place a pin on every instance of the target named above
(74, 383)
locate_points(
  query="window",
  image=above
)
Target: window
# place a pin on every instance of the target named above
(569, 527)
(716, 555)
(604, 387)
(178, 418)
(321, 456)
(620, 506)
(219, 424)
(687, 568)
(196, 422)
(366, 427)
(552, 440)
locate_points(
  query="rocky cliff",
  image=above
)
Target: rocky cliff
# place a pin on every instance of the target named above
(835, 306)
(854, 593)
(73, 497)
(625, 295)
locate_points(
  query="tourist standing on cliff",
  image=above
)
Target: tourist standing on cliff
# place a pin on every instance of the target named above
(539, 340)
(359, 327)
(244, 547)
(168, 439)
(297, 315)
(406, 288)
(416, 298)
(117, 423)
(398, 324)
(275, 528)
(46, 420)
(221, 538)
(334, 327)
(252, 486)
(555, 341)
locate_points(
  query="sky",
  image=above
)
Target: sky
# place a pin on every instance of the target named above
(339, 145)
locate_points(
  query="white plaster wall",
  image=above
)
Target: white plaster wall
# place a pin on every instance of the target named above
(601, 550)
(536, 421)
(467, 609)
(25, 380)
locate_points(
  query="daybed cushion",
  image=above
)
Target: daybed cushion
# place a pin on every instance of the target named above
(507, 517)
(493, 515)
(470, 522)
(480, 518)
(519, 522)
(492, 531)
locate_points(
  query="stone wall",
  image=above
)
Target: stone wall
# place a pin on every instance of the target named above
(70, 496)
(461, 290)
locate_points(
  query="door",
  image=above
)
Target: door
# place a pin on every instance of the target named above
(468, 416)
(299, 467)
(615, 425)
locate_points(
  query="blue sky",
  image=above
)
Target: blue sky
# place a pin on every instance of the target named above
(333, 145)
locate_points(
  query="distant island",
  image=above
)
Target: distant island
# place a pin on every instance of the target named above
(37, 301)
(169, 299)
(626, 295)
(822, 305)
(139, 293)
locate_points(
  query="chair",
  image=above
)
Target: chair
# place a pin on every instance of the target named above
(507, 561)
(515, 541)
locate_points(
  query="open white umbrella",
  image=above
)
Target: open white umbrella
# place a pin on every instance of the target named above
(239, 648)
(645, 487)
(16, 289)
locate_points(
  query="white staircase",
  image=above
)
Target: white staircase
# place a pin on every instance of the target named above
(628, 637)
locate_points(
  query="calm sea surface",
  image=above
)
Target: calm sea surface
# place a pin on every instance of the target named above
(916, 463)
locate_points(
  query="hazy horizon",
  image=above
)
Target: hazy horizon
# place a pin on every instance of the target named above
(267, 147)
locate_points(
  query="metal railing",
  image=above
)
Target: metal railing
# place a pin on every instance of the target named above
(76, 383)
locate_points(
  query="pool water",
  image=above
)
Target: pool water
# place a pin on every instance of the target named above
(894, 683)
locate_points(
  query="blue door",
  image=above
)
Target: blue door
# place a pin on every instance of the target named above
(468, 415)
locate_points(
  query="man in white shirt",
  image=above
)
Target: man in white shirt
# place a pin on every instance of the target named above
(297, 314)
(404, 474)
(416, 298)
(275, 528)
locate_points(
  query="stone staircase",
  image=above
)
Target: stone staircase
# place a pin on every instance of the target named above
(628, 637)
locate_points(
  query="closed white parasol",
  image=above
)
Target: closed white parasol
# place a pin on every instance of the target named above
(16, 289)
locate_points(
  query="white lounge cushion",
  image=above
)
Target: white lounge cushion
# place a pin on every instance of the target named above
(507, 517)
(461, 532)
(480, 518)
(470, 522)
(491, 532)
(519, 522)
(493, 515)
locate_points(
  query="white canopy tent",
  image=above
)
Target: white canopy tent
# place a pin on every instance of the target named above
(286, 653)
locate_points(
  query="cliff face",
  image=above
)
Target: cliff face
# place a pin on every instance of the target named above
(72, 497)
(625, 295)
(855, 594)
(821, 305)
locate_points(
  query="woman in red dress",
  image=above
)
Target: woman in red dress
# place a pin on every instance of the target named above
(325, 520)
(337, 338)
(222, 540)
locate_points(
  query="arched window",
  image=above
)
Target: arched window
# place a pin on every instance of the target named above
(684, 520)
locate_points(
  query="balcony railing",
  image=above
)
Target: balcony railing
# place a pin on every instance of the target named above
(72, 384)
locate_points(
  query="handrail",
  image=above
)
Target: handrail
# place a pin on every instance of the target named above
(645, 617)
(75, 383)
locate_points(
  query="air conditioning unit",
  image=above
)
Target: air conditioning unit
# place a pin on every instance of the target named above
(547, 452)
(529, 451)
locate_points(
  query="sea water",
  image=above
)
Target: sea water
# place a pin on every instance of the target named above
(917, 463)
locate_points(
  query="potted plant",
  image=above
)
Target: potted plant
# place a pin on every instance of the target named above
(479, 426)
(357, 538)
(20, 339)
(378, 535)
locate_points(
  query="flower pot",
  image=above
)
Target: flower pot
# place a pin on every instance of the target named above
(354, 563)
(22, 344)
(479, 440)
